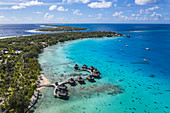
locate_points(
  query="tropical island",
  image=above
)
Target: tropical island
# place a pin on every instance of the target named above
(19, 66)
(61, 28)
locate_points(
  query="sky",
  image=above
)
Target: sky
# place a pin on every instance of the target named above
(84, 11)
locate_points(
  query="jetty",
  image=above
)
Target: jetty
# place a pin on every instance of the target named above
(61, 86)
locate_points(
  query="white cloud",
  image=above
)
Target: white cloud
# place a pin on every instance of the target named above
(23, 5)
(61, 9)
(128, 5)
(76, 1)
(38, 12)
(2, 17)
(101, 4)
(18, 7)
(133, 14)
(53, 7)
(28, 18)
(141, 11)
(89, 15)
(156, 14)
(152, 8)
(8, 3)
(115, 5)
(77, 12)
(48, 17)
(61, 18)
(99, 16)
(14, 18)
(117, 13)
(145, 2)
(137, 14)
(31, 3)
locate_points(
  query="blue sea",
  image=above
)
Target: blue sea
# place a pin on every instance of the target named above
(145, 84)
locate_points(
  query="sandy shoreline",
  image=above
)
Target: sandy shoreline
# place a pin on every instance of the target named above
(41, 81)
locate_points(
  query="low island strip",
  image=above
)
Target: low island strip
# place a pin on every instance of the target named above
(60, 28)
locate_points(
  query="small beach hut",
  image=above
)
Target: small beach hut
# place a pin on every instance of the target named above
(71, 81)
(90, 78)
(76, 66)
(80, 80)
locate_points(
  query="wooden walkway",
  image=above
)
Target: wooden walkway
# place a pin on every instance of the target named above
(64, 82)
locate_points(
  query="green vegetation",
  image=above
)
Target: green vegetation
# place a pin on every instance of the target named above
(18, 102)
(61, 28)
(19, 67)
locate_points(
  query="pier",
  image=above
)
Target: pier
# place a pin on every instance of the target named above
(60, 86)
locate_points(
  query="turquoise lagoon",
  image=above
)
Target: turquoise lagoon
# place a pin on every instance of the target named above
(145, 85)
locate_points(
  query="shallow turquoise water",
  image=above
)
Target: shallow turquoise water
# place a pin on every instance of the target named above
(145, 85)
(124, 67)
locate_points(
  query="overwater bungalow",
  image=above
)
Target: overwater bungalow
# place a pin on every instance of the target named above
(80, 80)
(62, 87)
(90, 78)
(84, 67)
(76, 66)
(56, 83)
(91, 68)
(95, 71)
(71, 81)
(97, 75)
(63, 94)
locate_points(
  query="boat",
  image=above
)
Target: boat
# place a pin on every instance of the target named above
(128, 36)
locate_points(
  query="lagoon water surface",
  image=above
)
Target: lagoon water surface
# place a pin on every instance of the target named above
(144, 86)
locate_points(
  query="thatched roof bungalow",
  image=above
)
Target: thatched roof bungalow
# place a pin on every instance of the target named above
(63, 94)
(76, 66)
(84, 66)
(90, 78)
(71, 81)
(80, 80)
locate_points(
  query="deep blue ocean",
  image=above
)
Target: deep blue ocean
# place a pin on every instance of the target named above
(145, 84)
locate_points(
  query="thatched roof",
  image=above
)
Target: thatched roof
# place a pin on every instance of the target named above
(63, 93)
(80, 79)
